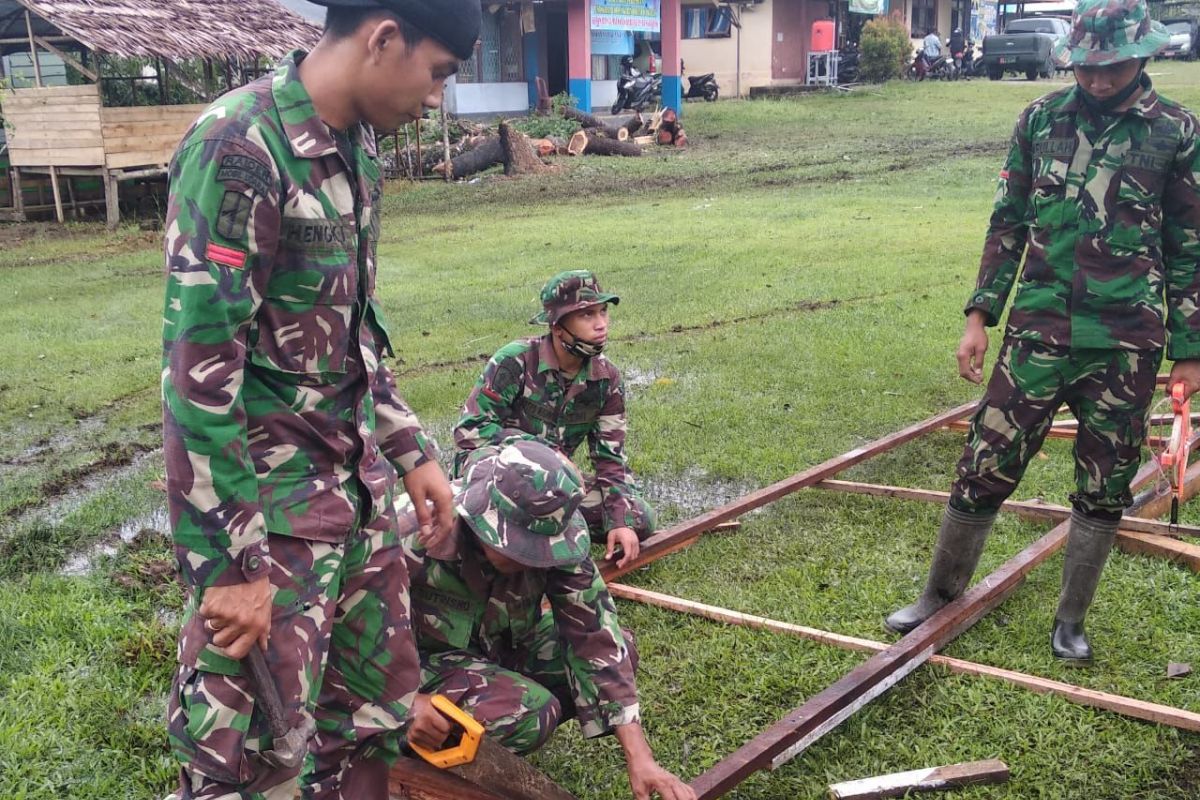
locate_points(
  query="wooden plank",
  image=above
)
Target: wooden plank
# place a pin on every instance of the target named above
(1026, 509)
(77, 90)
(823, 712)
(1118, 704)
(68, 119)
(61, 157)
(413, 779)
(67, 58)
(116, 130)
(899, 784)
(58, 205)
(151, 113)
(27, 138)
(683, 534)
(159, 157)
(1148, 544)
(133, 144)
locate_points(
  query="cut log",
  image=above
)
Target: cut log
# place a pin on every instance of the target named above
(578, 143)
(622, 135)
(665, 136)
(681, 138)
(519, 158)
(644, 140)
(588, 121)
(544, 147)
(486, 154)
(655, 121)
(634, 124)
(899, 784)
(413, 779)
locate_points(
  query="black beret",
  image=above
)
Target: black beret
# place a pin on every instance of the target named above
(454, 23)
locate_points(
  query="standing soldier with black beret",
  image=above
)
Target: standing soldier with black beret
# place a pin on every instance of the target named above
(1099, 197)
(284, 432)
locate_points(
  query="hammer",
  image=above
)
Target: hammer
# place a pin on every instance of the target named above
(289, 745)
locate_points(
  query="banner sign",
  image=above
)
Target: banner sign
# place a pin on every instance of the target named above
(612, 43)
(626, 15)
(869, 6)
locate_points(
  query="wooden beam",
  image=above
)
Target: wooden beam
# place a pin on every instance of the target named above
(899, 784)
(37, 68)
(112, 202)
(413, 779)
(58, 205)
(1118, 704)
(68, 58)
(683, 534)
(1026, 509)
(823, 712)
(1148, 544)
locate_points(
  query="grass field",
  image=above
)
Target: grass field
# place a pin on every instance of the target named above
(792, 287)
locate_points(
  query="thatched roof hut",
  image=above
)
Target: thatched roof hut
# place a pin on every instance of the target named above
(67, 131)
(171, 29)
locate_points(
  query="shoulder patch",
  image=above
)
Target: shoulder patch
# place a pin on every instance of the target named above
(248, 170)
(508, 373)
(234, 215)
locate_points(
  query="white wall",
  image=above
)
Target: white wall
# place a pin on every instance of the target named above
(487, 98)
(719, 56)
(604, 94)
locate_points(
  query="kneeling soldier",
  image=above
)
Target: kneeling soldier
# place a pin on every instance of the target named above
(483, 637)
(560, 389)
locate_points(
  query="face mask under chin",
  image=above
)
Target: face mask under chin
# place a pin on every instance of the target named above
(1108, 104)
(581, 348)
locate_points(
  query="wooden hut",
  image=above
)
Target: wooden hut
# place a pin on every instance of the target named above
(68, 131)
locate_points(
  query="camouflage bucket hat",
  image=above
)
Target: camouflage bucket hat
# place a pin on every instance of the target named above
(570, 291)
(523, 501)
(1107, 32)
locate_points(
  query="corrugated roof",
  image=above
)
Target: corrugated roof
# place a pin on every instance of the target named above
(171, 29)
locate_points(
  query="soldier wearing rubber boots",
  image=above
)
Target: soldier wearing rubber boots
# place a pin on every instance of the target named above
(486, 641)
(284, 434)
(1099, 196)
(560, 389)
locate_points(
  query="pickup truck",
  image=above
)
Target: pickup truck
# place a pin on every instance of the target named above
(1025, 46)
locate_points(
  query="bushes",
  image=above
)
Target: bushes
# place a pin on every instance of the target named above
(884, 49)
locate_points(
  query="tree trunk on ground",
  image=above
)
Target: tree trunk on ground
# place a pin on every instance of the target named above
(487, 153)
(632, 125)
(593, 144)
(519, 158)
(588, 121)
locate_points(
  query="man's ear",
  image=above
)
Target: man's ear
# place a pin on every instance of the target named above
(383, 36)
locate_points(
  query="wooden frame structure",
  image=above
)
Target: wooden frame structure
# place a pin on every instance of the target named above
(889, 664)
(826, 710)
(66, 131)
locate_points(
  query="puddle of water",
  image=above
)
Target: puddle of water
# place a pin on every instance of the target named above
(59, 508)
(84, 563)
(693, 492)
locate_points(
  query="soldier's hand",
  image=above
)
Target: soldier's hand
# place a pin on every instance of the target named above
(625, 539)
(1186, 371)
(238, 616)
(646, 779)
(428, 483)
(427, 726)
(972, 347)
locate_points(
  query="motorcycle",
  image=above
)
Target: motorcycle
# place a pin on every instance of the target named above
(848, 63)
(700, 86)
(636, 90)
(923, 67)
(972, 65)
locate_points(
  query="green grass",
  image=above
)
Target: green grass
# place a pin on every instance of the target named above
(792, 287)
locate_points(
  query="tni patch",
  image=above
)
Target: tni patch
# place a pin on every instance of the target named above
(234, 216)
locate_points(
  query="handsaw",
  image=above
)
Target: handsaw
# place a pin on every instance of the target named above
(1174, 459)
(485, 763)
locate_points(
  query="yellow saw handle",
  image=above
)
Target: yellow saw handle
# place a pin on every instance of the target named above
(464, 751)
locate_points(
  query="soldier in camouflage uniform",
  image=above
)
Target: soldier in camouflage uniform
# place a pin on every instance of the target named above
(561, 389)
(284, 433)
(484, 638)
(1099, 196)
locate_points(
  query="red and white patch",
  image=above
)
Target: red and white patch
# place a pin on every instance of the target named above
(1003, 174)
(225, 255)
(492, 394)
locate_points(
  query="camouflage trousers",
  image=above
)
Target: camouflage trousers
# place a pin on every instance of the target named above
(341, 652)
(519, 704)
(639, 515)
(1108, 391)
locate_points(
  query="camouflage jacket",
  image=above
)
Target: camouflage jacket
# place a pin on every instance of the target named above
(1107, 218)
(522, 390)
(459, 602)
(279, 414)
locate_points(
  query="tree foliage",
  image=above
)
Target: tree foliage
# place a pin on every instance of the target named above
(884, 49)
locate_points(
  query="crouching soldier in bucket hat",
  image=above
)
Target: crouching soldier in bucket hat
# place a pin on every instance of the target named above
(484, 638)
(561, 389)
(1099, 197)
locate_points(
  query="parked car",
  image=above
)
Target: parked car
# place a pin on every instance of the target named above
(1184, 37)
(1025, 46)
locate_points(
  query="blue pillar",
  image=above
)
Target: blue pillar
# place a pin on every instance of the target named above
(529, 44)
(581, 90)
(672, 93)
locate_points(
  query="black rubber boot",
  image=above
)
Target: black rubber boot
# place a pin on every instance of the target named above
(1088, 544)
(959, 546)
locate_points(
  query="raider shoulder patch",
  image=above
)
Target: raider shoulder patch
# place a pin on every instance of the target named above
(245, 169)
(234, 215)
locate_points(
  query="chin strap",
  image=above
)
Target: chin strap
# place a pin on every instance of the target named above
(1109, 104)
(581, 348)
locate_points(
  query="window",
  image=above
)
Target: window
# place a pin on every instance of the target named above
(499, 55)
(719, 23)
(695, 21)
(924, 17)
(606, 68)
